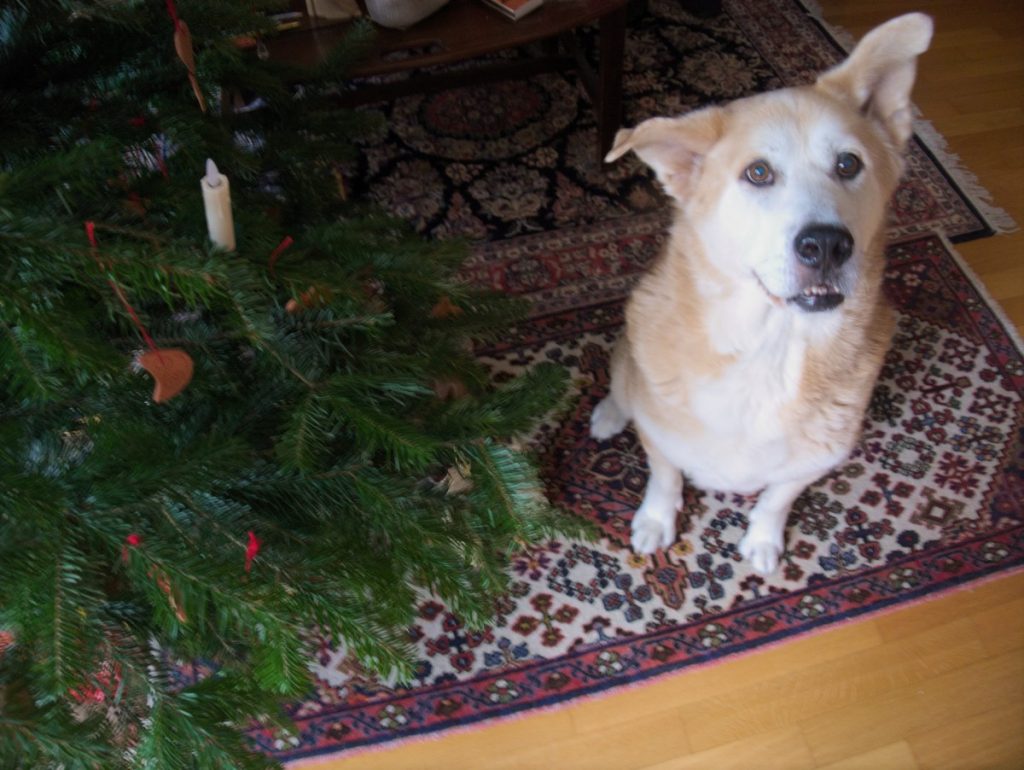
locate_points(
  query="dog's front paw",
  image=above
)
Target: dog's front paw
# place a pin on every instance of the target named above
(651, 532)
(606, 420)
(761, 551)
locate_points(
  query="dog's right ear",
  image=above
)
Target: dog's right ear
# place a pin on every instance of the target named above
(673, 147)
(878, 76)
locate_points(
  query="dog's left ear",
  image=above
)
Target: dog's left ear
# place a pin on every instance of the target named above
(879, 74)
(673, 147)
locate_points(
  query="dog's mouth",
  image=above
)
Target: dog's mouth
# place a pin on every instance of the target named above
(817, 297)
(814, 298)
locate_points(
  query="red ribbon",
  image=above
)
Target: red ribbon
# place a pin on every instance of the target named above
(172, 11)
(278, 250)
(133, 540)
(90, 231)
(251, 550)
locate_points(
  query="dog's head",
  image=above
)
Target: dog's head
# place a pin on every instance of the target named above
(789, 188)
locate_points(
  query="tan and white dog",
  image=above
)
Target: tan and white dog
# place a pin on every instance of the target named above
(752, 345)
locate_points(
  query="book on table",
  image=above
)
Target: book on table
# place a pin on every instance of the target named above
(514, 9)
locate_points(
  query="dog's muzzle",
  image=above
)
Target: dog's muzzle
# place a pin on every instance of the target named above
(821, 250)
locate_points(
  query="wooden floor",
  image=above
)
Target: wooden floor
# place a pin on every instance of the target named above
(936, 685)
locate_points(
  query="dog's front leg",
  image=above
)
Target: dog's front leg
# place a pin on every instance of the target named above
(765, 539)
(654, 523)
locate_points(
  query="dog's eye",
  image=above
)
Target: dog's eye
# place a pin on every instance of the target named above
(759, 173)
(848, 165)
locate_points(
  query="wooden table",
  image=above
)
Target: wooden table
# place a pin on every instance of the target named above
(467, 29)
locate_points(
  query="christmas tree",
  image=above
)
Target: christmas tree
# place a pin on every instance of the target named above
(299, 471)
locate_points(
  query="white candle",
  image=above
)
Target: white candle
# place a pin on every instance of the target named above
(217, 201)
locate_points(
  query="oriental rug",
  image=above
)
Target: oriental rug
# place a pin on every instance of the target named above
(932, 497)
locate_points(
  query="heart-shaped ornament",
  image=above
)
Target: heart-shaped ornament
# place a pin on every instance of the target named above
(171, 369)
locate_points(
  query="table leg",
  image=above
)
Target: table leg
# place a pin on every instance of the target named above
(609, 89)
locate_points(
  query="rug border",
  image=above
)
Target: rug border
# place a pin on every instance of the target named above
(439, 732)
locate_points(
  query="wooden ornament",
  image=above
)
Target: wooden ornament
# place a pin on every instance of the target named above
(171, 369)
(458, 479)
(449, 388)
(445, 308)
(164, 582)
(310, 298)
(183, 45)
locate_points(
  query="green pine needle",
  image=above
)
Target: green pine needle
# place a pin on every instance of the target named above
(124, 524)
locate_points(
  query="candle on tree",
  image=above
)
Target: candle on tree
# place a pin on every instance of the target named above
(217, 201)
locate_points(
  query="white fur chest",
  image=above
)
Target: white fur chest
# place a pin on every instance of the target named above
(736, 436)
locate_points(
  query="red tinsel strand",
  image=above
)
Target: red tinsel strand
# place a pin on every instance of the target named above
(90, 231)
(251, 550)
(278, 250)
(172, 11)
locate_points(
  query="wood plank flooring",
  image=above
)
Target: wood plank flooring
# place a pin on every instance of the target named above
(938, 685)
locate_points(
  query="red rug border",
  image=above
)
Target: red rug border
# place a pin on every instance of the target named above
(932, 590)
(480, 722)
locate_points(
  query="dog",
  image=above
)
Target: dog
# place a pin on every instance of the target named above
(752, 345)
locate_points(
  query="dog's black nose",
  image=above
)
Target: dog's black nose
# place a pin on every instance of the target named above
(823, 245)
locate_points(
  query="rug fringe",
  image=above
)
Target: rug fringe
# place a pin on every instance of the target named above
(840, 34)
(997, 218)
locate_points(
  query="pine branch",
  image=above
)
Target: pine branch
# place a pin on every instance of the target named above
(40, 741)
(122, 521)
(406, 447)
(204, 715)
(305, 439)
(29, 377)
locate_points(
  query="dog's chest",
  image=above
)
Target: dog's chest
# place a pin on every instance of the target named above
(751, 395)
(739, 425)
